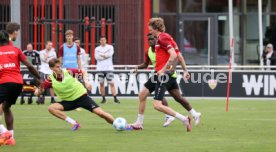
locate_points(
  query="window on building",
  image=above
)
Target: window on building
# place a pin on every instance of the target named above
(252, 5)
(164, 6)
(222, 6)
(192, 6)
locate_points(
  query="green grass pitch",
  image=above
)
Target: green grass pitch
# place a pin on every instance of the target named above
(249, 126)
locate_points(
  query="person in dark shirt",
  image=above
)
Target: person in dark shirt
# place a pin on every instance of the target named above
(34, 58)
(32, 55)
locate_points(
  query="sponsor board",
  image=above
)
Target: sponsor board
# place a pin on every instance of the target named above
(201, 84)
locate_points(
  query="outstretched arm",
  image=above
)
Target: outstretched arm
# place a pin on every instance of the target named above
(85, 80)
(141, 66)
(33, 71)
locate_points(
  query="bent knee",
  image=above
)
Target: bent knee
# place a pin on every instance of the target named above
(157, 105)
(54, 107)
(142, 96)
(51, 108)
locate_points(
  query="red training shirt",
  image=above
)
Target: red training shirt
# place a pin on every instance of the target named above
(163, 44)
(10, 58)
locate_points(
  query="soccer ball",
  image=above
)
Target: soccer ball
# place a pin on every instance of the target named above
(120, 124)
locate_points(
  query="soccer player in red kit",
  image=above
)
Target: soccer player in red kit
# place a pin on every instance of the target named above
(12, 29)
(166, 59)
(11, 83)
(149, 87)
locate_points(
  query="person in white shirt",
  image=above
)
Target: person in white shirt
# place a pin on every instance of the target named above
(103, 55)
(45, 56)
(83, 54)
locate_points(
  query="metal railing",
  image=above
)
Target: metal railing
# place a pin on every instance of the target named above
(195, 67)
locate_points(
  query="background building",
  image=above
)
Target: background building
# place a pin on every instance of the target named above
(200, 27)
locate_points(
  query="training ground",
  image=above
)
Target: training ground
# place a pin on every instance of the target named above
(249, 126)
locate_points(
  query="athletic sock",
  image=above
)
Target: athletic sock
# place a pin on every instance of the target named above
(193, 112)
(115, 98)
(140, 118)
(103, 97)
(180, 117)
(2, 129)
(12, 132)
(70, 120)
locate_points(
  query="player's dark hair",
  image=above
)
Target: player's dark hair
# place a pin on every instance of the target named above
(149, 34)
(157, 23)
(53, 62)
(12, 26)
(4, 38)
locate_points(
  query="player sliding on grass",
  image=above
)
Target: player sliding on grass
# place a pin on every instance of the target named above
(150, 87)
(72, 93)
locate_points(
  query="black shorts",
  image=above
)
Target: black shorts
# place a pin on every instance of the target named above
(84, 102)
(105, 74)
(164, 82)
(150, 84)
(9, 92)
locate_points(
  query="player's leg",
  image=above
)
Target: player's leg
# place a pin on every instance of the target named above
(109, 79)
(108, 117)
(22, 101)
(5, 135)
(101, 77)
(89, 104)
(1, 111)
(168, 119)
(57, 109)
(160, 89)
(175, 93)
(13, 91)
(141, 108)
(148, 88)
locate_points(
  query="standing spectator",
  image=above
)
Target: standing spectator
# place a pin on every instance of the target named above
(33, 57)
(83, 54)
(45, 56)
(269, 56)
(69, 53)
(103, 55)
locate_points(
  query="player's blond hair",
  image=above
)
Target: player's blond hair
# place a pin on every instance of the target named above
(157, 23)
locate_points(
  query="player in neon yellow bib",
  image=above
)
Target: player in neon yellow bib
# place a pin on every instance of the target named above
(72, 93)
(149, 87)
